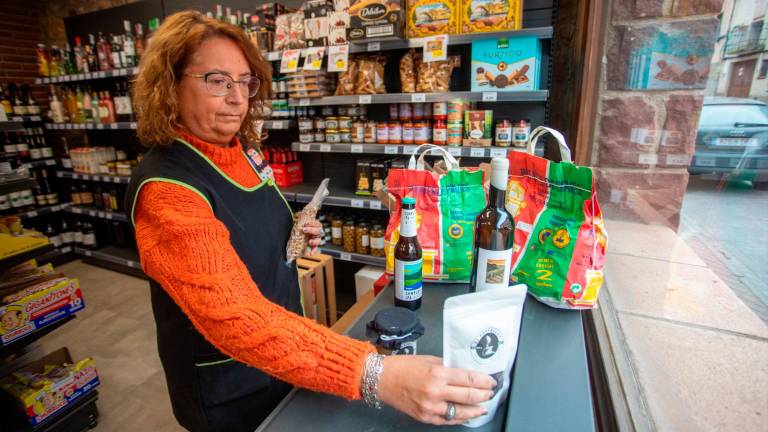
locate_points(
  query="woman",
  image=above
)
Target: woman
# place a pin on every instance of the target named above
(211, 228)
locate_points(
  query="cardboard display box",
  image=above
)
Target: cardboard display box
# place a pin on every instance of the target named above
(510, 64)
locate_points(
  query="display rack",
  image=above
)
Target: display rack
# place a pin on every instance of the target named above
(14, 260)
(339, 197)
(16, 185)
(91, 126)
(399, 149)
(18, 344)
(81, 416)
(43, 210)
(98, 213)
(94, 177)
(388, 98)
(88, 76)
(339, 253)
(41, 163)
(122, 259)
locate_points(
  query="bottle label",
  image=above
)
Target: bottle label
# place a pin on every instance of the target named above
(36, 153)
(408, 223)
(492, 269)
(408, 280)
(67, 237)
(123, 105)
(79, 237)
(377, 243)
(66, 163)
(22, 147)
(47, 152)
(336, 232)
(89, 239)
(365, 240)
(41, 200)
(55, 240)
(52, 198)
(9, 148)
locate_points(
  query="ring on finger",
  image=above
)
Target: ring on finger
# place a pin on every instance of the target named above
(450, 412)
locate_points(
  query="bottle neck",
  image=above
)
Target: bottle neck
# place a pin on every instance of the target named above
(408, 223)
(496, 197)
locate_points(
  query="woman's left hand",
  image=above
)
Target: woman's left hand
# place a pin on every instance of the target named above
(314, 232)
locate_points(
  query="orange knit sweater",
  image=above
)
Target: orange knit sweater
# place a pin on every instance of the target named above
(188, 252)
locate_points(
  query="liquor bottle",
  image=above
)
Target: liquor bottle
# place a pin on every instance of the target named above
(122, 100)
(35, 150)
(129, 46)
(66, 160)
(116, 49)
(73, 113)
(106, 201)
(98, 202)
(66, 233)
(77, 229)
(92, 54)
(39, 191)
(43, 61)
(32, 107)
(104, 53)
(51, 196)
(95, 113)
(219, 13)
(53, 235)
(140, 43)
(16, 104)
(80, 109)
(74, 195)
(114, 200)
(9, 147)
(494, 234)
(57, 108)
(408, 259)
(7, 107)
(67, 63)
(109, 108)
(87, 113)
(54, 62)
(81, 56)
(86, 196)
(22, 146)
(89, 236)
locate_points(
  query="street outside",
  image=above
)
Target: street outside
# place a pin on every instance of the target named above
(727, 225)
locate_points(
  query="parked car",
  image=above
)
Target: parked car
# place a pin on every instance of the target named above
(732, 138)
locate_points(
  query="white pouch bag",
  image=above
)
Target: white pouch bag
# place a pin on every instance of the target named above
(480, 332)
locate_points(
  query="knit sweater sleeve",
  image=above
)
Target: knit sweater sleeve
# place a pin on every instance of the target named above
(188, 252)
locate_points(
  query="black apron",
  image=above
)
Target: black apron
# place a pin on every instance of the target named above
(210, 391)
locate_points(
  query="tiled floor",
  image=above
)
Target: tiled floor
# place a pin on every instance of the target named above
(118, 330)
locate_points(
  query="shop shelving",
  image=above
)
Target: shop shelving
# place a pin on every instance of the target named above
(81, 415)
(24, 118)
(339, 196)
(88, 76)
(57, 256)
(20, 343)
(118, 258)
(399, 149)
(41, 163)
(43, 210)
(388, 44)
(339, 253)
(102, 214)
(279, 124)
(96, 126)
(14, 260)
(17, 184)
(94, 177)
(388, 98)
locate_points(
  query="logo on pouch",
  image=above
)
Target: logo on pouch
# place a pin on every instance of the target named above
(455, 231)
(485, 346)
(372, 12)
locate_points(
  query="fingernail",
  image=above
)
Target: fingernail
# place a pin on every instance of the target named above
(485, 413)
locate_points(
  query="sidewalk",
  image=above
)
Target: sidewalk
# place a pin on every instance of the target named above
(689, 354)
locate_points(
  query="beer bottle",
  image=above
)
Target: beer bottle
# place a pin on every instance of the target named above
(494, 234)
(408, 260)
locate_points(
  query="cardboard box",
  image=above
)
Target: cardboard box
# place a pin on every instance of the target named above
(38, 396)
(363, 180)
(490, 15)
(43, 308)
(288, 174)
(506, 64)
(432, 17)
(365, 278)
(17, 244)
(369, 19)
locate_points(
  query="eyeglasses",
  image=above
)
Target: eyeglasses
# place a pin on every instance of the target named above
(220, 84)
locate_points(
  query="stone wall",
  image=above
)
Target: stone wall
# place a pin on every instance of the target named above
(656, 64)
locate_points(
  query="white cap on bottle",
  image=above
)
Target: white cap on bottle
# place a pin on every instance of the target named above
(499, 173)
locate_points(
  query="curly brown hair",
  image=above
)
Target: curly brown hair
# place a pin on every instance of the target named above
(163, 63)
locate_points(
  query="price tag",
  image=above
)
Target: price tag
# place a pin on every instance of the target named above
(476, 152)
(313, 58)
(435, 48)
(100, 126)
(113, 126)
(89, 125)
(418, 97)
(498, 152)
(374, 46)
(32, 214)
(68, 126)
(277, 124)
(345, 256)
(102, 74)
(76, 210)
(357, 203)
(290, 61)
(356, 148)
(85, 177)
(66, 250)
(75, 176)
(91, 213)
(338, 58)
(304, 102)
(87, 253)
(364, 99)
(454, 151)
(81, 76)
(82, 126)
(375, 204)
(108, 215)
(50, 162)
(304, 147)
(133, 125)
(95, 178)
(490, 96)
(390, 149)
(130, 263)
(325, 148)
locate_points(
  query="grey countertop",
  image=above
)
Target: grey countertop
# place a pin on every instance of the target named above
(550, 380)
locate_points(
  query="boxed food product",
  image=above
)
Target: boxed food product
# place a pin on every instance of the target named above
(432, 17)
(379, 169)
(506, 64)
(58, 299)
(338, 23)
(44, 387)
(16, 244)
(477, 128)
(317, 9)
(374, 18)
(490, 15)
(288, 174)
(363, 177)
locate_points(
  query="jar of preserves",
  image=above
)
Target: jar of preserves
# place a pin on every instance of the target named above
(418, 111)
(331, 122)
(504, 133)
(348, 235)
(420, 132)
(362, 238)
(521, 131)
(358, 131)
(343, 111)
(407, 133)
(306, 136)
(319, 123)
(355, 111)
(306, 124)
(370, 132)
(345, 135)
(440, 110)
(455, 110)
(328, 111)
(345, 122)
(455, 132)
(319, 135)
(406, 112)
(377, 241)
(382, 133)
(332, 136)
(427, 111)
(394, 112)
(395, 132)
(336, 227)
(439, 133)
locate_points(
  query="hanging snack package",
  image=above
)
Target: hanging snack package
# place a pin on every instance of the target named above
(297, 242)
(434, 77)
(480, 333)
(347, 79)
(408, 72)
(365, 81)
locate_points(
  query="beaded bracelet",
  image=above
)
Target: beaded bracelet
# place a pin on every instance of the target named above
(374, 364)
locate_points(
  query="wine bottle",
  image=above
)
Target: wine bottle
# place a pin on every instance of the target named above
(129, 46)
(67, 235)
(494, 235)
(51, 196)
(53, 235)
(408, 260)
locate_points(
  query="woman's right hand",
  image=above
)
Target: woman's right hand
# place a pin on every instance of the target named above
(421, 387)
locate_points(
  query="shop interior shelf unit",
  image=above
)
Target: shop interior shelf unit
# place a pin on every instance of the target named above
(339, 197)
(41, 163)
(91, 125)
(387, 44)
(399, 149)
(389, 98)
(339, 253)
(43, 210)
(98, 213)
(88, 76)
(17, 184)
(94, 177)
(14, 260)
(20, 343)
(122, 259)
(81, 415)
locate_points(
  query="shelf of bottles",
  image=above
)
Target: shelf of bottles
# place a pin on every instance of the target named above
(88, 76)
(94, 177)
(91, 125)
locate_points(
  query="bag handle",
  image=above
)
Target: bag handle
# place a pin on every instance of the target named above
(565, 152)
(450, 162)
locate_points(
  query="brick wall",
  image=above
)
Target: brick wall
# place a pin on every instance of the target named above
(657, 56)
(19, 35)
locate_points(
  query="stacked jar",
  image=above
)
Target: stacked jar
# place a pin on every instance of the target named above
(454, 122)
(344, 126)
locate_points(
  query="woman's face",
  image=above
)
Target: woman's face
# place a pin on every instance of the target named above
(215, 119)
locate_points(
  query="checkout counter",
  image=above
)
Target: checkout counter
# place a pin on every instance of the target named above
(550, 384)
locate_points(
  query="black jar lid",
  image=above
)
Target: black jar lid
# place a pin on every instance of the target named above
(396, 325)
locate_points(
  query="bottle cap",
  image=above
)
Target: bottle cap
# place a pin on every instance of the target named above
(409, 200)
(499, 172)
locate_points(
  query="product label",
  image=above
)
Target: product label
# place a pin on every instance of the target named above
(377, 242)
(406, 348)
(336, 232)
(89, 239)
(47, 152)
(55, 240)
(35, 153)
(493, 269)
(365, 240)
(123, 105)
(440, 135)
(22, 147)
(408, 280)
(78, 237)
